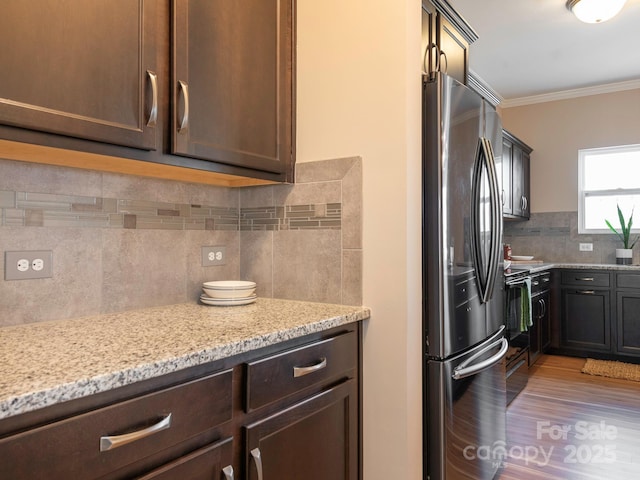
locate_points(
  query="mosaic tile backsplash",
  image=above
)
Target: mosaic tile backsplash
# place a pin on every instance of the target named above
(32, 209)
(122, 242)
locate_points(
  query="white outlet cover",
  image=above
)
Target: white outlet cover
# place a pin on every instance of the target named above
(23, 265)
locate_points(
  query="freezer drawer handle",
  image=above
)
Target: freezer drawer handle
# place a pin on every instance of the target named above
(463, 370)
(302, 371)
(115, 441)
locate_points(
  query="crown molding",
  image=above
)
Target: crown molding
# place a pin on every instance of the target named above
(573, 93)
(480, 86)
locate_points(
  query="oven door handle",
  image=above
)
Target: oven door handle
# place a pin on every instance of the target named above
(464, 370)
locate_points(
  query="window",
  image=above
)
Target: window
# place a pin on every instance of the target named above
(608, 177)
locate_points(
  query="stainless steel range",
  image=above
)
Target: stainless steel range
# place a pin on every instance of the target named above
(517, 359)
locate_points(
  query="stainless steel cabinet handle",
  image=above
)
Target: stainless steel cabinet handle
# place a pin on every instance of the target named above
(427, 68)
(257, 458)
(115, 441)
(302, 371)
(446, 62)
(503, 199)
(184, 123)
(228, 472)
(153, 113)
(587, 292)
(526, 204)
(584, 279)
(544, 307)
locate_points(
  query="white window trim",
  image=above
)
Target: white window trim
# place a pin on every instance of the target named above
(582, 194)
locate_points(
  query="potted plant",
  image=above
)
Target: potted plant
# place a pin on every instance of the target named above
(624, 255)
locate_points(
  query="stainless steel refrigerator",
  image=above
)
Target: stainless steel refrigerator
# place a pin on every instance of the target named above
(463, 286)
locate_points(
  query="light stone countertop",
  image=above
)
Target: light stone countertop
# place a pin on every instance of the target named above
(42, 364)
(540, 267)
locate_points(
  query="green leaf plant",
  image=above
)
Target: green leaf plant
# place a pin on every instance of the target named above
(626, 229)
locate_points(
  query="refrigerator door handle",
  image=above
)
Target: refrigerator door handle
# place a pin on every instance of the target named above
(496, 217)
(486, 266)
(464, 370)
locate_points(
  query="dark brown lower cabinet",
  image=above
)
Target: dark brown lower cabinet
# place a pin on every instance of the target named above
(586, 320)
(198, 424)
(204, 464)
(316, 439)
(628, 327)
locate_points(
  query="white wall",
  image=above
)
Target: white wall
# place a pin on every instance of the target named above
(557, 130)
(358, 87)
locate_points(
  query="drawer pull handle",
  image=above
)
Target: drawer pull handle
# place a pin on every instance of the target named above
(302, 371)
(115, 441)
(153, 114)
(584, 279)
(228, 472)
(587, 292)
(257, 458)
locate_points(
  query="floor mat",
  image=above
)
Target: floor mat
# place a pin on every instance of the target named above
(612, 369)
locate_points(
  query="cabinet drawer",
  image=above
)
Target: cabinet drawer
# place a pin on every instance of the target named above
(628, 280)
(583, 278)
(280, 375)
(92, 444)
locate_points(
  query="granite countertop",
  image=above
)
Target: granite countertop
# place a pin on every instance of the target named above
(540, 267)
(45, 363)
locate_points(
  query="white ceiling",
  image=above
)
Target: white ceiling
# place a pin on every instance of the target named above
(533, 48)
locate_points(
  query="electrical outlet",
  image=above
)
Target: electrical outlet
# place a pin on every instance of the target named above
(586, 247)
(28, 265)
(214, 256)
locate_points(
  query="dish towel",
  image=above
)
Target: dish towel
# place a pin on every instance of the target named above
(526, 319)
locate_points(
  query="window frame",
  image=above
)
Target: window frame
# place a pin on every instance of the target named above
(583, 194)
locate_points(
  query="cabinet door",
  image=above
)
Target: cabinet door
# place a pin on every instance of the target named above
(545, 322)
(454, 50)
(525, 184)
(233, 82)
(507, 177)
(211, 462)
(586, 322)
(534, 332)
(628, 332)
(518, 182)
(316, 439)
(66, 72)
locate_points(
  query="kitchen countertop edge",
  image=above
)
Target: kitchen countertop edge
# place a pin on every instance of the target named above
(140, 349)
(541, 267)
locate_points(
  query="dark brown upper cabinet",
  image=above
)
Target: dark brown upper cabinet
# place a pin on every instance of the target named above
(65, 70)
(232, 85)
(192, 90)
(445, 40)
(516, 196)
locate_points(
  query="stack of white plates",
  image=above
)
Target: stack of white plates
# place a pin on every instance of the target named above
(228, 292)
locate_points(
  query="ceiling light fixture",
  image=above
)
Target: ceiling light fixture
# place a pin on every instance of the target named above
(595, 11)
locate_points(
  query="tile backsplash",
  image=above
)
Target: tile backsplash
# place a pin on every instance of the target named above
(554, 237)
(123, 242)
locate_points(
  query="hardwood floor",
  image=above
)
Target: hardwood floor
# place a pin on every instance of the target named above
(567, 425)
